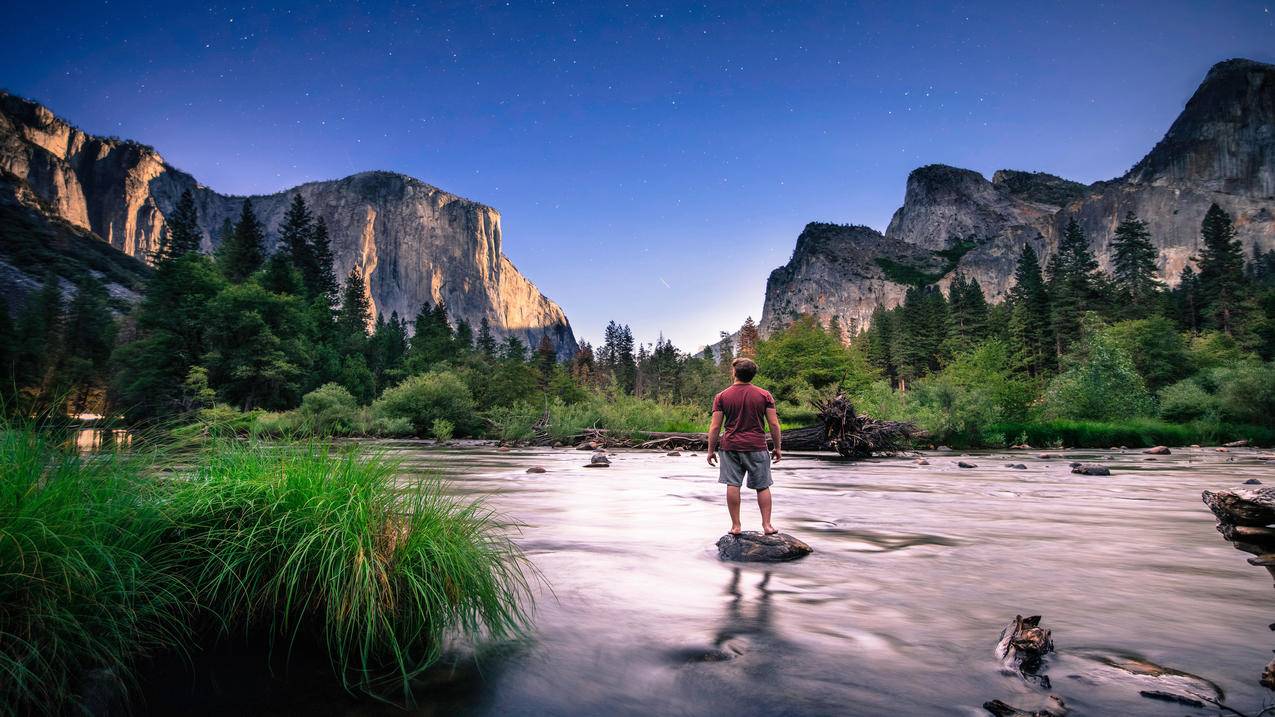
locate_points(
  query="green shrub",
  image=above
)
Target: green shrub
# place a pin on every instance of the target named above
(329, 410)
(1246, 392)
(383, 427)
(1186, 401)
(1134, 433)
(1103, 386)
(278, 425)
(426, 397)
(443, 429)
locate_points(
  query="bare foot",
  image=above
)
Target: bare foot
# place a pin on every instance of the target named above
(736, 530)
(770, 530)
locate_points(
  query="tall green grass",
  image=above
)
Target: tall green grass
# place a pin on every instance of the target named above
(294, 540)
(1134, 433)
(80, 585)
(106, 558)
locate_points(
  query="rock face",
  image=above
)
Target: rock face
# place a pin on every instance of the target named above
(753, 547)
(412, 242)
(1220, 149)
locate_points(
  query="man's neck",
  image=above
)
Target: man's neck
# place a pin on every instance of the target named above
(742, 383)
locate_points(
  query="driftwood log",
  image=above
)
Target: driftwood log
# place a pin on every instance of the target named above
(839, 428)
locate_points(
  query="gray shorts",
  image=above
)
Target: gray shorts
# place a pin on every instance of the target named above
(732, 465)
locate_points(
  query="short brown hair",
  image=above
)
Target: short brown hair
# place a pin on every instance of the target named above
(745, 368)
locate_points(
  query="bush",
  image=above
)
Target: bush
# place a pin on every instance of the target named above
(443, 429)
(383, 427)
(1186, 401)
(1246, 392)
(1135, 433)
(1104, 386)
(976, 389)
(329, 410)
(427, 397)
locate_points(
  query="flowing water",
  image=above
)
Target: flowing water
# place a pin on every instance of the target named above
(916, 569)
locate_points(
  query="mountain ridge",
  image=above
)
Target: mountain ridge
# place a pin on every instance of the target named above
(412, 241)
(1220, 148)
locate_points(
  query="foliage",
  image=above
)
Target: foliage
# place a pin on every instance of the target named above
(977, 389)
(427, 397)
(443, 429)
(1134, 433)
(803, 361)
(1102, 385)
(244, 251)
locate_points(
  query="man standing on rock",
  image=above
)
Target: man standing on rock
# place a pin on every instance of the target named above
(744, 409)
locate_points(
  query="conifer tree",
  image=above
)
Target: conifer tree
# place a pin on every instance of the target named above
(281, 276)
(39, 329)
(463, 336)
(321, 251)
(748, 338)
(625, 361)
(88, 337)
(1071, 280)
(583, 365)
(1186, 299)
(296, 239)
(181, 229)
(244, 253)
(355, 313)
(546, 359)
(880, 340)
(486, 343)
(514, 349)
(1029, 321)
(1133, 262)
(1222, 286)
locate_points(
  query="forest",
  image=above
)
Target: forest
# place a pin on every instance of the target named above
(276, 344)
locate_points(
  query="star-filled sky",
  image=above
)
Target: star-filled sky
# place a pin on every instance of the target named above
(653, 162)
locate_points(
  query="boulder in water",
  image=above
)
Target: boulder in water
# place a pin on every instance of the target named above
(753, 547)
(1016, 466)
(536, 469)
(599, 460)
(1252, 481)
(1237, 444)
(673, 453)
(921, 462)
(1246, 506)
(1158, 451)
(966, 464)
(1090, 469)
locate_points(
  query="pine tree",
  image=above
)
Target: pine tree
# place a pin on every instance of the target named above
(88, 338)
(514, 349)
(486, 343)
(432, 340)
(296, 239)
(463, 337)
(880, 340)
(355, 313)
(281, 276)
(625, 362)
(244, 253)
(1186, 300)
(748, 338)
(39, 330)
(182, 235)
(1029, 322)
(321, 250)
(583, 365)
(1071, 281)
(1133, 262)
(546, 359)
(1222, 286)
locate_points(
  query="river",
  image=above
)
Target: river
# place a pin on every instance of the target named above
(916, 569)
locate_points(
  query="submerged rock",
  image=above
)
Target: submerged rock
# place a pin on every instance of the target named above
(673, 453)
(1237, 444)
(1173, 697)
(1252, 481)
(921, 462)
(753, 547)
(1091, 469)
(536, 469)
(1158, 451)
(966, 464)
(1016, 466)
(1054, 708)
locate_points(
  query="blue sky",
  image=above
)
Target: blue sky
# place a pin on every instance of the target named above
(653, 162)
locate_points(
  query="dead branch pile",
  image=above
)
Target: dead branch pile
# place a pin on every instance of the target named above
(839, 429)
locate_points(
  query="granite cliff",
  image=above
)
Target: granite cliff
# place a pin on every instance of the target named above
(1220, 149)
(412, 242)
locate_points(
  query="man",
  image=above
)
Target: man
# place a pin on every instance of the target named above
(742, 408)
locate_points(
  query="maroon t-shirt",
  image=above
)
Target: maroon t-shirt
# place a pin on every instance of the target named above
(744, 407)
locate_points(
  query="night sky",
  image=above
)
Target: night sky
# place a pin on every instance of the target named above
(652, 161)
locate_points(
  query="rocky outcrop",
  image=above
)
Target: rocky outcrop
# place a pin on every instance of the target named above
(412, 242)
(1220, 149)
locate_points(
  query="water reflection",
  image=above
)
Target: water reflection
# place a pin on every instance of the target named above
(88, 440)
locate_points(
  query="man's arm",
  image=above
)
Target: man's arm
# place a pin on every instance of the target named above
(772, 417)
(714, 428)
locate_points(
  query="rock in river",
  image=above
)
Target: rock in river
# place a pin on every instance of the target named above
(1158, 451)
(536, 469)
(1054, 708)
(966, 464)
(753, 547)
(599, 460)
(1091, 469)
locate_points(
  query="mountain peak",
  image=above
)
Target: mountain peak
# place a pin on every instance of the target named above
(1224, 139)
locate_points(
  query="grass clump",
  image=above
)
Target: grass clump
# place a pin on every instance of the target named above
(103, 561)
(80, 585)
(1134, 433)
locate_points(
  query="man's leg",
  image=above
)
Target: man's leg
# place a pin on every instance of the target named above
(732, 505)
(763, 502)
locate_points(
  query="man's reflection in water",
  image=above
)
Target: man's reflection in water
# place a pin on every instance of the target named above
(747, 621)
